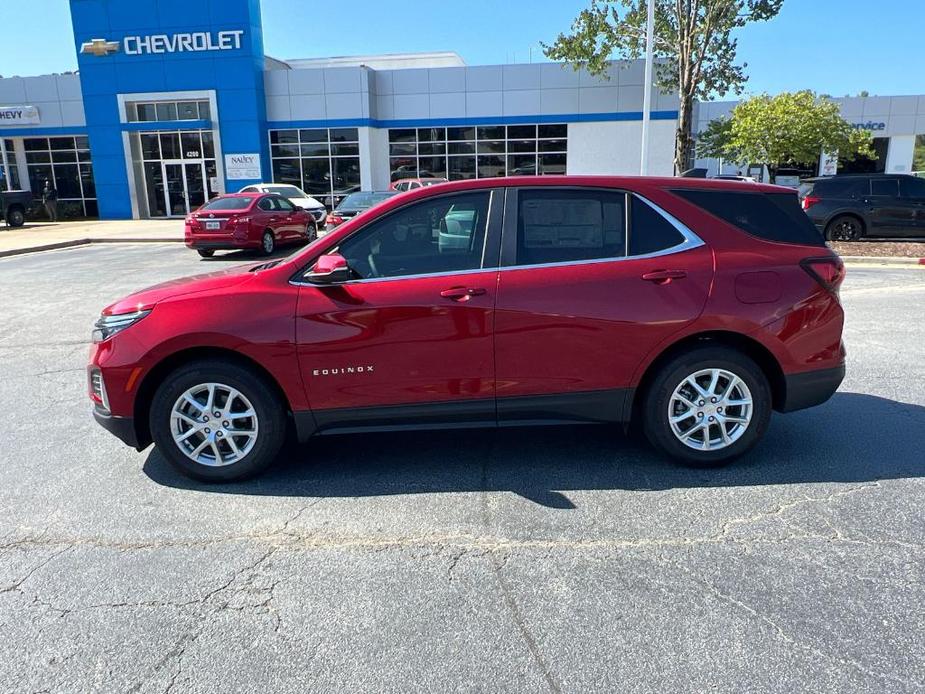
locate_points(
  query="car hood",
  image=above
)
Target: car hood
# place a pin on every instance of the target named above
(306, 203)
(147, 298)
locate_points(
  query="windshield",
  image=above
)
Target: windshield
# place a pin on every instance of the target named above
(362, 200)
(286, 191)
(241, 203)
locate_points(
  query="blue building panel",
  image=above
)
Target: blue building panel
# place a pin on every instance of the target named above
(166, 46)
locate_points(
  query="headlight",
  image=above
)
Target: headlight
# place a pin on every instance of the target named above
(107, 326)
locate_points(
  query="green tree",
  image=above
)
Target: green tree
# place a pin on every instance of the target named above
(789, 128)
(694, 48)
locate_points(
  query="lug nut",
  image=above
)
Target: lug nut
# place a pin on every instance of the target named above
(719, 410)
(208, 431)
(700, 414)
(219, 434)
(218, 414)
(712, 399)
(226, 424)
(205, 418)
(711, 419)
(702, 403)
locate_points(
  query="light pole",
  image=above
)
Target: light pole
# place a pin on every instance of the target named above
(647, 88)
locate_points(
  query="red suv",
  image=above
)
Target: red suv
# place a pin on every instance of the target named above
(248, 220)
(694, 307)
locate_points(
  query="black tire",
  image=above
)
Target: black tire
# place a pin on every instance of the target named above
(268, 243)
(16, 217)
(205, 252)
(845, 228)
(311, 231)
(270, 418)
(655, 408)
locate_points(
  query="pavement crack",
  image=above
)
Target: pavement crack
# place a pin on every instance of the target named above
(517, 616)
(791, 640)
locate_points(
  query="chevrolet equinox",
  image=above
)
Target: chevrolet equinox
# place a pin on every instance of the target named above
(690, 307)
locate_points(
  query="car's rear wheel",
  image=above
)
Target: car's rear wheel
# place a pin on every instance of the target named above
(268, 243)
(844, 228)
(205, 252)
(707, 406)
(217, 421)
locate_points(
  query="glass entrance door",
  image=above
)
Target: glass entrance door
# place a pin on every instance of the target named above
(184, 186)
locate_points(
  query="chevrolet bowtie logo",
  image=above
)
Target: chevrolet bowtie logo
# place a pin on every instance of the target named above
(100, 47)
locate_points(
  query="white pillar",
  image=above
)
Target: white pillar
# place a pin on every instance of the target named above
(647, 88)
(6, 163)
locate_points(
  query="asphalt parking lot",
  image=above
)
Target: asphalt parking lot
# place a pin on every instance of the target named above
(560, 559)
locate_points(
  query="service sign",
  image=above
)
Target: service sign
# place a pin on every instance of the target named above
(242, 166)
(19, 115)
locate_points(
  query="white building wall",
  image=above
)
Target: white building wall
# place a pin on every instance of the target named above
(616, 148)
(899, 154)
(380, 173)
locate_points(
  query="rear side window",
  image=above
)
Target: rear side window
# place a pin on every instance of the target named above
(842, 188)
(556, 226)
(649, 231)
(769, 216)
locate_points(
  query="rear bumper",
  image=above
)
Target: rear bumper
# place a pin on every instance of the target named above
(218, 242)
(811, 388)
(123, 428)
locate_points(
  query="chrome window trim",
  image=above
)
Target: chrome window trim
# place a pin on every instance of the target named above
(691, 241)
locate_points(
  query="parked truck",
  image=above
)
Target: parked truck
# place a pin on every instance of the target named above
(13, 206)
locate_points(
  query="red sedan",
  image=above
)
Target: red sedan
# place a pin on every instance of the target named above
(247, 220)
(693, 307)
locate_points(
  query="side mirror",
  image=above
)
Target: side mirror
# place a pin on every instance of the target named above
(330, 269)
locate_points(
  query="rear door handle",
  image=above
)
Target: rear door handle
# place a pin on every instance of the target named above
(462, 293)
(664, 276)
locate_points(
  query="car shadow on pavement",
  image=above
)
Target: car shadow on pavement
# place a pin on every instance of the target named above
(852, 438)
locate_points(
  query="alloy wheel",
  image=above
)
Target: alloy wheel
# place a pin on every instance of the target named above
(214, 424)
(710, 409)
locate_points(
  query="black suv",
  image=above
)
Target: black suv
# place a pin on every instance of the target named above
(855, 206)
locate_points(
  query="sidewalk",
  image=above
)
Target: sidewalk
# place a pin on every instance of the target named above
(44, 236)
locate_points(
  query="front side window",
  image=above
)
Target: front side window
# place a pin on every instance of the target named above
(441, 235)
(556, 226)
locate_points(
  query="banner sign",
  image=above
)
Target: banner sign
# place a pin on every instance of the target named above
(242, 166)
(19, 115)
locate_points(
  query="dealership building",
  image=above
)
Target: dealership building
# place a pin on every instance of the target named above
(176, 100)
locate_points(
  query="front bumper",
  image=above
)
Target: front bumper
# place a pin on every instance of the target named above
(811, 388)
(123, 428)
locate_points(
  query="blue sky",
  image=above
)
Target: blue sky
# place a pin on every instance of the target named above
(832, 46)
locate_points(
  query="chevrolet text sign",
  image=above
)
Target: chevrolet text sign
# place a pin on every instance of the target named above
(18, 115)
(181, 43)
(195, 42)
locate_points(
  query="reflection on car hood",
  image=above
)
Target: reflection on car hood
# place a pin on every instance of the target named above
(146, 298)
(306, 203)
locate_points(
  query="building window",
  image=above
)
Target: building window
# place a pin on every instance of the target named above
(65, 161)
(918, 155)
(11, 176)
(324, 162)
(478, 151)
(145, 112)
(875, 164)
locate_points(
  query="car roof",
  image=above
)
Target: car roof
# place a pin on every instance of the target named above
(243, 195)
(630, 182)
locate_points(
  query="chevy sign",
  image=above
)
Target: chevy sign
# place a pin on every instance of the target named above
(195, 42)
(19, 115)
(181, 43)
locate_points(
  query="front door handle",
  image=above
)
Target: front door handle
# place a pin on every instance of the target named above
(462, 293)
(664, 276)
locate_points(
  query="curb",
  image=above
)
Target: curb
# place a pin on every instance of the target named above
(874, 260)
(86, 242)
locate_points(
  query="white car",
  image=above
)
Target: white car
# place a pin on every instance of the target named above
(296, 196)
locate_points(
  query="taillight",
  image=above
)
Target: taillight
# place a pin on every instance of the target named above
(334, 219)
(829, 271)
(809, 201)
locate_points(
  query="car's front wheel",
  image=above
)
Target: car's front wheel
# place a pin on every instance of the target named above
(707, 406)
(217, 421)
(844, 228)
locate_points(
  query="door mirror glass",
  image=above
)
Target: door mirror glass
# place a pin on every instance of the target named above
(329, 269)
